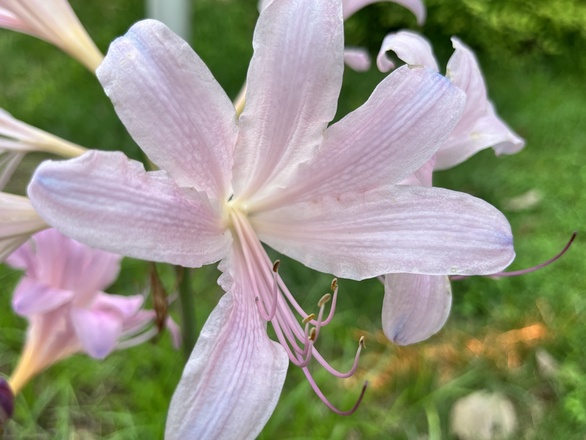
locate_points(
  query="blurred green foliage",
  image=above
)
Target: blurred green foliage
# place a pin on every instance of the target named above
(497, 28)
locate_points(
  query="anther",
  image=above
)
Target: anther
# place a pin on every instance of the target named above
(276, 265)
(312, 334)
(334, 285)
(362, 342)
(309, 318)
(324, 300)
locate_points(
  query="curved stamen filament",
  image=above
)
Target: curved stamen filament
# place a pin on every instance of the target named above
(515, 273)
(323, 398)
(318, 357)
(275, 304)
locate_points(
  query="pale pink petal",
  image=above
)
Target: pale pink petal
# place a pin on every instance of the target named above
(98, 329)
(53, 21)
(126, 306)
(400, 127)
(233, 379)
(463, 70)
(18, 222)
(415, 307)
(73, 266)
(293, 83)
(357, 58)
(108, 201)
(10, 21)
(479, 127)
(174, 331)
(9, 161)
(415, 6)
(18, 136)
(488, 131)
(32, 297)
(24, 258)
(138, 323)
(423, 176)
(394, 229)
(172, 106)
(409, 47)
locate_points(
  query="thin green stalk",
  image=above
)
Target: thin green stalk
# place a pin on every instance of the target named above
(187, 306)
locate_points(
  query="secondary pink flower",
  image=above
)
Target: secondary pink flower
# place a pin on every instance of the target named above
(417, 306)
(61, 295)
(18, 222)
(480, 127)
(326, 196)
(53, 21)
(18, 138)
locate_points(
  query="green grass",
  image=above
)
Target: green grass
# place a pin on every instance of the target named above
(412, 389)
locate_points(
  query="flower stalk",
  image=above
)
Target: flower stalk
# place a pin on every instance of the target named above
(187, 306)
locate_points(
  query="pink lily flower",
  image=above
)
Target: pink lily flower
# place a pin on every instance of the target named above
(417, 306)
(18, 222)
(61, 295)
(325, 196)
(18, 138)
(55, 22)
(358, 58)
(479, 127)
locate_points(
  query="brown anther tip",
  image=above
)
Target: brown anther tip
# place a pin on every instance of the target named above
(276, 265)
(324, 299)
(362, 342)
(334, 285)
(312, 334)
(309, 318)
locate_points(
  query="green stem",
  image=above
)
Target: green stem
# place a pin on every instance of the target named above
(187, 306)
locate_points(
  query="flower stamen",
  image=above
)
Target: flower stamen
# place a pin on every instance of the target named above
(515, 273)
(323, 398)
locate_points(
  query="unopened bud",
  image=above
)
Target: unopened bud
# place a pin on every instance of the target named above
(6, 402)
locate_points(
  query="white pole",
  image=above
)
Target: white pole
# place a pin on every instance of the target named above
(174, 13)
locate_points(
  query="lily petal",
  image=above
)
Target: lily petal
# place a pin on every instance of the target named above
(479, 127)
(53, 21)
(172, 106)
(126, 306)
(292, 90)
(357, 58)
(399, 128)
(488, 131)
(233, 379)
(18, 222)
(108, 201)
(33, 297)
(98, 329)
(72, 266)
(394, 229)
(415, 6)
(463, 70)
(409, 47)
(415, 306)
